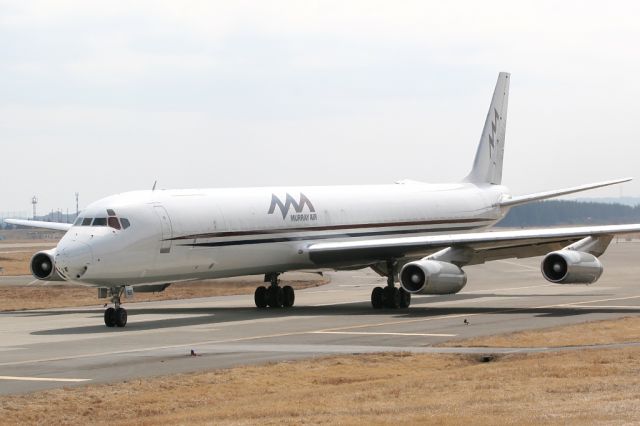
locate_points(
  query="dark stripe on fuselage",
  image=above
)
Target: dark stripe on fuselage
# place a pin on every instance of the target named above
(326, 236)
(329, 228)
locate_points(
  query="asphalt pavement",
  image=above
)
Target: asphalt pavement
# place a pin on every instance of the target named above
(52, 348)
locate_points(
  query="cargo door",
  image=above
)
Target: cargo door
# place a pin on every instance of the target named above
(167, 229)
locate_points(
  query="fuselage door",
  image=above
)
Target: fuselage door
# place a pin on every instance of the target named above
(167, 229)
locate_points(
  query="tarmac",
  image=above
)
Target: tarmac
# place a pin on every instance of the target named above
(44, 349)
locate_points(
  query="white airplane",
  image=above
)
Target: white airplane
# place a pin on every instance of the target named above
(412, 232)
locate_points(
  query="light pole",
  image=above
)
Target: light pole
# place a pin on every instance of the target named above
(34, 201)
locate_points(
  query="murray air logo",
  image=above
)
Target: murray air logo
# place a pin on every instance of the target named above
(492, 136)
(298, 207)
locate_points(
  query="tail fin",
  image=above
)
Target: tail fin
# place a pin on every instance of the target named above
(487, 166)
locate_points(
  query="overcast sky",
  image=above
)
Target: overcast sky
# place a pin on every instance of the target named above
(106, 97)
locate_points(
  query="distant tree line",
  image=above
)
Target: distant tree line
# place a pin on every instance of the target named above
(561, 212)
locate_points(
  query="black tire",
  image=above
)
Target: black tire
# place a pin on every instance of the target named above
(377, 298)
(405, 298)
(275, 297)
(260, 297)
(391, 297)
(289, 296)
(121, 317)
(110, 317)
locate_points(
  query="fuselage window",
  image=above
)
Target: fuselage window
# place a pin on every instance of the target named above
(87, 221)
(99, 221)
(113, 222)
(125, 223)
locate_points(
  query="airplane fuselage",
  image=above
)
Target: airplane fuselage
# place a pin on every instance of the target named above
(178, 235)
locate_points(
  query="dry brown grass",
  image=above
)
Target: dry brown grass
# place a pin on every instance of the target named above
(562, 388)
(16, 262)
(593, 333)
(13, 298)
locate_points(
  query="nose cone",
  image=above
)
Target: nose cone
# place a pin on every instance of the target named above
(73, 259)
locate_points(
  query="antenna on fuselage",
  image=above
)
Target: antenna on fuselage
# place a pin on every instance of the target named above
(154, 185)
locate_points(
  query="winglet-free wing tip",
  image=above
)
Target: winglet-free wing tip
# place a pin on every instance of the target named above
(56, 226)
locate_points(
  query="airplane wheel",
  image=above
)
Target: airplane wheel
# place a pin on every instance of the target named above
(121, 317)
(289, 296)
(405, 298)
(260, 297)
(377, 298)
(275, 297)
(391, 297)
(110, 317)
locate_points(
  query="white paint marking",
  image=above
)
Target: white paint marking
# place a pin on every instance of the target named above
(340, 303)
(42, 379)
(512, 288)
(518, 265)
(608, 307)
(364, 333)
(594, 301)
(33, 282)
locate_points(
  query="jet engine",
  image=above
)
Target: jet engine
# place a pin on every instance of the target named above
(571, 267)
(43, 266)
(432, 277)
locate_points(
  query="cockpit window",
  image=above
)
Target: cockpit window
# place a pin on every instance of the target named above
(113, 222)
(99, 221)
(110, 212)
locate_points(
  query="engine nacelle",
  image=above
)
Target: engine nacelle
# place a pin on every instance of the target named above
(571, 267)
(432, 277)
(43, 266)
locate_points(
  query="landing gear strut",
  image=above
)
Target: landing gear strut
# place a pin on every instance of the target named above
(116, 315)
(390, 296)
(274, 296)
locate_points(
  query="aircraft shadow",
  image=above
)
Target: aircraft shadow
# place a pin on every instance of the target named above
(211, 316)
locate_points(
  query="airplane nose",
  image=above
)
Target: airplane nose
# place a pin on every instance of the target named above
(73, 259)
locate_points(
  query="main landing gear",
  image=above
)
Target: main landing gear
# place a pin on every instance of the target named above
(274, 296)
(117, 315)
(390, 296)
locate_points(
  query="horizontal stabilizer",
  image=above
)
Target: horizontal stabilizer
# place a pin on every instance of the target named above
(40, 224)
(523, 199)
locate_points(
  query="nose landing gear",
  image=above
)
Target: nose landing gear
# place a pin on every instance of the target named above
(117, 315)
(274, 296)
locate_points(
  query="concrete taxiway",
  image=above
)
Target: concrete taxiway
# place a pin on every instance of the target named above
(62, 347)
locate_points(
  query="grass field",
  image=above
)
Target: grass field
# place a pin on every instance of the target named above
(577, 387)
(16, 262)
(599, 333)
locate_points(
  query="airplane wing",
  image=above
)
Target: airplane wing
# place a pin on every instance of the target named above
(40, 224)
(480, 246)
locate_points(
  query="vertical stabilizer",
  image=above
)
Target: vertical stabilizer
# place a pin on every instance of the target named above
(487, 166)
